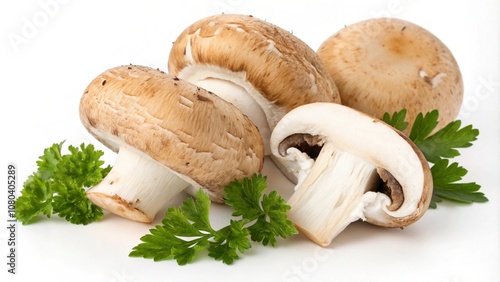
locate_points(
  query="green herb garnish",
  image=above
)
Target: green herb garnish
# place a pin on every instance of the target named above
(58, 186)
(186, 230)
(438, 148)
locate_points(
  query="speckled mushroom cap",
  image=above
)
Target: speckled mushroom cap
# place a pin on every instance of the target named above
(386, 64)
(279, 70)
(204, 139)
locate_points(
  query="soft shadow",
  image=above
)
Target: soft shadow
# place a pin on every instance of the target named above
(277, 180)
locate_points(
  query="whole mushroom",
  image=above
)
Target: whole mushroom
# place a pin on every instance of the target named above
(386, 64)
(349, 166)
(170, 136)
(259, 67)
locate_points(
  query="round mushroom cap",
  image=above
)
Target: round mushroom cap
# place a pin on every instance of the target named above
(387, 64)
(273, 65)
(202, 138)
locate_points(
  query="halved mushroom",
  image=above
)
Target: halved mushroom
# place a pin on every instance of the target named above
(170, 135)
(349, 166)
(387, 64)
(259, 67)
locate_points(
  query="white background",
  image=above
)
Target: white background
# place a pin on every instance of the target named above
(49, 55)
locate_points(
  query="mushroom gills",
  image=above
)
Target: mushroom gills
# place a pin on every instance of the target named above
(301, 151)
(118, 192)
(329, 192)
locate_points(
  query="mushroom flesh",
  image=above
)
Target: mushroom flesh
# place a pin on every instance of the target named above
(349, 166)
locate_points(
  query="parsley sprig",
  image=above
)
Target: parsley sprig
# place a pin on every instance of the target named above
(438, 148)
(186, 229)
(58, 186)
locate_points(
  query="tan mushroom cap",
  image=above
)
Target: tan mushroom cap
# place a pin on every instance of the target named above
(187, 129)
(282, 68)
(387, 64)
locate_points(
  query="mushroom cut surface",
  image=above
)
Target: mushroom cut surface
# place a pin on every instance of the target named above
(349, 166)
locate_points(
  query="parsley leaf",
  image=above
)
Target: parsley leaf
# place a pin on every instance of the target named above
(83, 164)
(397, 120)
(36, 198)
(269, 216)
(423, 126)
(71, 203)
(437, 149)
(186, 229)
(445, 176)
(58, 185)
(229, 241)
(444, 143)
(47, 163)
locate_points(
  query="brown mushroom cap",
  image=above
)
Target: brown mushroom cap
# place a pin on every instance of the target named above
(278, 65)
(185, 128)
(387, 64)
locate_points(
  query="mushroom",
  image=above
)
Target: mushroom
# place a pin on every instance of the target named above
(259, 67)
(387, 64)
(349, 166)
(170, 136)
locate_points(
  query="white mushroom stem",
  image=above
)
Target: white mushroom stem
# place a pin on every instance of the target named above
(137, 187)
(329, 198)
(233, 88)
(349, 166)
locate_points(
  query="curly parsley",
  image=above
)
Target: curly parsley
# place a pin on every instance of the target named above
(58, 186)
